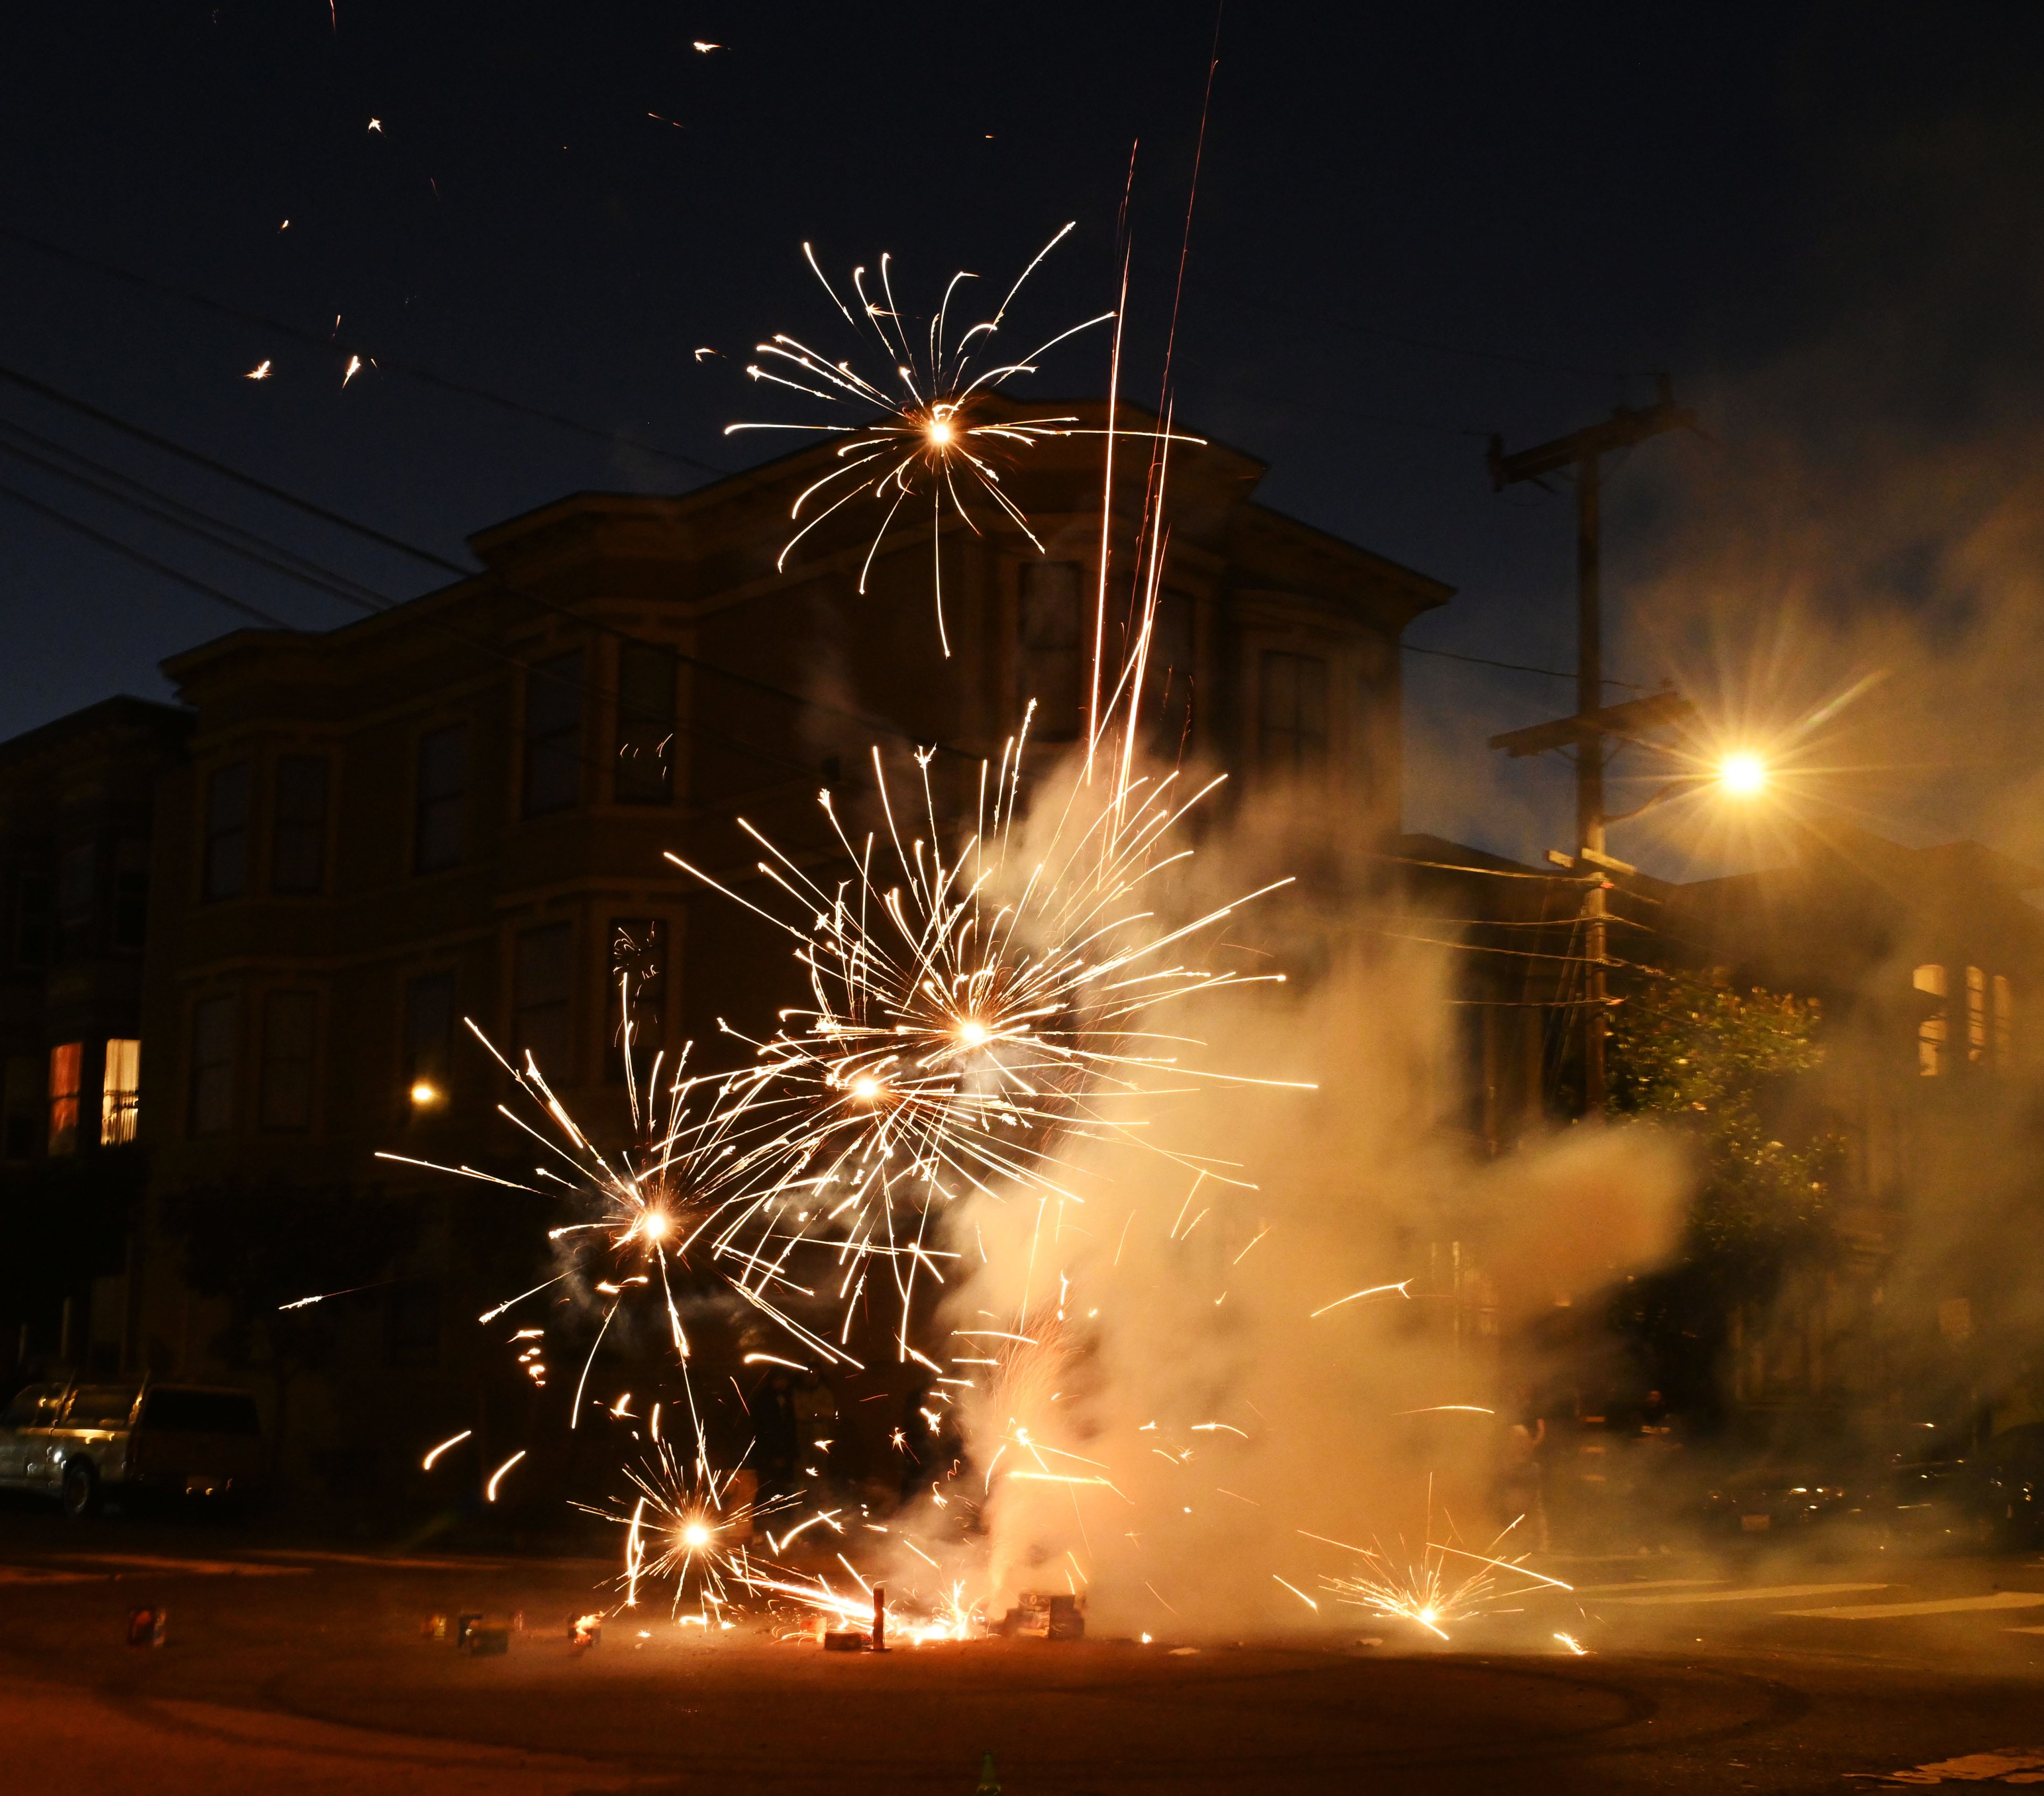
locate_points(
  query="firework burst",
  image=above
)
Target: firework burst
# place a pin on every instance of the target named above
(927, 435)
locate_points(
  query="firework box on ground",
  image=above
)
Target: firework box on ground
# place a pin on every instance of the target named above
(844, 1639)
(435, 1628)
(475, 1634)
(585, 1631)
(146, 1626)
(1046, 1615)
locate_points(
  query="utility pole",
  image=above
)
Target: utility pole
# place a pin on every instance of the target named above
(1583, 450)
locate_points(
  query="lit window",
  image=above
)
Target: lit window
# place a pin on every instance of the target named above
(1975, 1016)
(1930, 1031)
(2004, 1024)
(66, 1069)
(119, 1093)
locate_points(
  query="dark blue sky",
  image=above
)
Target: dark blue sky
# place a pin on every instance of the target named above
(1415, 224)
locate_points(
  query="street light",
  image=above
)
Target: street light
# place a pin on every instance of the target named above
(1743, 774)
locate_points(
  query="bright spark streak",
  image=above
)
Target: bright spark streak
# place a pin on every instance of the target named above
(1373, 1290)
(496, 1477)
(426, 1464)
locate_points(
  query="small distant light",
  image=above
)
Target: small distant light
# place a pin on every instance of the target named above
(1743, 774)
(424, 1095)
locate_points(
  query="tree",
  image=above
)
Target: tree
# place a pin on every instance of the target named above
(1719, 1066)
(1724, 1068)
(261, 1244)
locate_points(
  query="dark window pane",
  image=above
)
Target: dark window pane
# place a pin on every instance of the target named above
(553, 735)
(442, 798)
(213, 1030)
(31, 921)
(1051, 625)
(638, 980)
(224, 870)
(645, 724)
(78, 877)
(298, 845)
(131, 909)
(540, 987)
(1292, 714)
(290, 1042)
(102, 1406)
(429, 1021)
(199, 1412)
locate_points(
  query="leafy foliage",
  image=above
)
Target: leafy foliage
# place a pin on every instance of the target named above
(1719, 1065)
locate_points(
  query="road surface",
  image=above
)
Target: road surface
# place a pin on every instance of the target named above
(308, 1671)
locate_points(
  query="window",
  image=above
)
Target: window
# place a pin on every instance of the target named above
(638, 981)
(1051, 625)
(1975, 1016)
(131, 908)
(225, 869)
(2004, 1024)
(31, 921)
(1167, 683)
(214, 1022)
(1292, 715)
(539, 983)
(67, 1074)
(440, 802)
(645, 724)
(553, 735)
(1931, 1031)
(297, 841)
(78, 877)
(289, 1037)
(119, 1093)
(428, 1038)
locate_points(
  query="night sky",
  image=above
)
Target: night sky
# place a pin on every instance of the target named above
(1415, 225)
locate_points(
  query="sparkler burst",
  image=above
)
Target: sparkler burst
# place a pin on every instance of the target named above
(926, 434)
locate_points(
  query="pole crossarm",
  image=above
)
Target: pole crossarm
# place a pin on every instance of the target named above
(1628, 427)
(1636, 717)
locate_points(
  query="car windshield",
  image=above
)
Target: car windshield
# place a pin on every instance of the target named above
(35, 1407)
(202, 1412)
(101, 1406)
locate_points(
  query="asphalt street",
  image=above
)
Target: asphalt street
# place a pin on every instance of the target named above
(308, 1669)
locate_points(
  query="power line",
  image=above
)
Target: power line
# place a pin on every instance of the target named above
(410, 371)
(56, 396)
(1510, 666)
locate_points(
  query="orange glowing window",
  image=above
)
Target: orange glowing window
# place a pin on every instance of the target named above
(66, 1063)
(1931, 1032)
(119, 1093)
(2004, 1023)
(1975, 1016)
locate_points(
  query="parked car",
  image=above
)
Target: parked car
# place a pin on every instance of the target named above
(80, 1442)
(1916, 1489)
(2012, 1472)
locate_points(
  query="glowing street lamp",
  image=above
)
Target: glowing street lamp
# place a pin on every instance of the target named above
(1743, 775)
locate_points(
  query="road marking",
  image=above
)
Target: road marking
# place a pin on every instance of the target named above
(2024, 1630)
(2010, 1764)
(412, 1564)
(41, 1574)
(186, 1567)
(1768, 1595)
(1945, 1606)
(1646, 1584)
